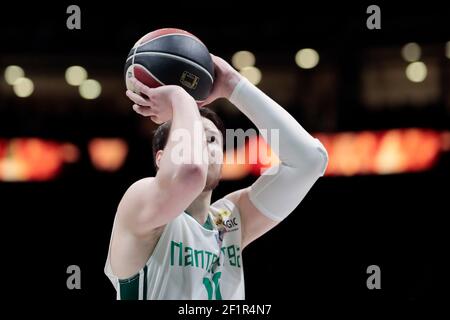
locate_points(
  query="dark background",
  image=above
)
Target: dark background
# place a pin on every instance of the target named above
(321, 251)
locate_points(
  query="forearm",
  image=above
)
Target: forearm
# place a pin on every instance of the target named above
(181, 174)
(186, 141)
(295, 144)
(303, 158)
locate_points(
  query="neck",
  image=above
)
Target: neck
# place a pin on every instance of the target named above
(198, 209)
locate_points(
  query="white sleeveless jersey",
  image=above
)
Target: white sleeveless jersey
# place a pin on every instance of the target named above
(190, 261)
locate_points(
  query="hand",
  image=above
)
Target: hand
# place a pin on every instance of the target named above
(155, 103)
(226, 80)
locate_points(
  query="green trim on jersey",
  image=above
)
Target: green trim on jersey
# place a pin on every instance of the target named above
(129, 288)
(208, 223)
(144, 294)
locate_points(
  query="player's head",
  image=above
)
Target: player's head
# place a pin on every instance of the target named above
(215, 133)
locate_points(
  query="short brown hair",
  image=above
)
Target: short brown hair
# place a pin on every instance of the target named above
(162, 132)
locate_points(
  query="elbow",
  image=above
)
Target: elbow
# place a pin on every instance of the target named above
(323, 162)
(316, 159)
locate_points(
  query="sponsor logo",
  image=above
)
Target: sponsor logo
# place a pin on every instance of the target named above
(189, 80)
(230, 223)
(225, 222)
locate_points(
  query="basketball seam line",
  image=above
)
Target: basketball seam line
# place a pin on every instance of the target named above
(132, 62)
(170, 34)
(175, 57)
(151, 74)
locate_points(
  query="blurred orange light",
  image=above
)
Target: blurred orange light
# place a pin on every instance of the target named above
(231, 170)
(367, 152)
(445, 141)
(389, 157)
(70, 153)
(31, 159)
(108, 154)
(266, 157)
(350, 153)
(3, 148)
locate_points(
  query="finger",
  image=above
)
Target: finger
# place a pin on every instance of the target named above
(140, 87)
(143, 110)
(155, 120)
(137, 98)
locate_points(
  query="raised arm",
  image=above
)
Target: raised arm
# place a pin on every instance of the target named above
(153, 202)
(303, 158)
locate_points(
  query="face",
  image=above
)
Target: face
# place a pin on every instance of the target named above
(214, 143)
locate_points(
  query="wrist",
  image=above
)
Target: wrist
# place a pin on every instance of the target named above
(178, 93)
(232, 79)
(181, 101)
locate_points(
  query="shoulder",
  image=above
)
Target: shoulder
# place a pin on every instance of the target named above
(134, 194)
(225, 204)
(141, 183)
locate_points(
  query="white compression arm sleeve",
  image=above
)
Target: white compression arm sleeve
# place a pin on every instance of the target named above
(303, 158)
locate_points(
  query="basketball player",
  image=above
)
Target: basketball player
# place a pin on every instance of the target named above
(168, 240)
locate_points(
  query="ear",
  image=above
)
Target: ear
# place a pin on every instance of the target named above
(158, 157)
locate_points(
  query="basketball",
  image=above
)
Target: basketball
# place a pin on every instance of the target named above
(171, 57)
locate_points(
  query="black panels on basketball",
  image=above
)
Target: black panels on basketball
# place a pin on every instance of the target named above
(177, 59)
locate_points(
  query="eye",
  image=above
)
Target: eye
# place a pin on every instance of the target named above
(212, 139)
